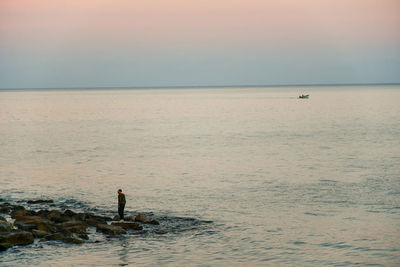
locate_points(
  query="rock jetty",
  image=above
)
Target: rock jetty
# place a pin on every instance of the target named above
(23, 225)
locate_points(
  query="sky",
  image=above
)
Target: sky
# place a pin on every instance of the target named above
(145, 43)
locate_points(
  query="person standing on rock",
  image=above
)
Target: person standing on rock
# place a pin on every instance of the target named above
(121, 204)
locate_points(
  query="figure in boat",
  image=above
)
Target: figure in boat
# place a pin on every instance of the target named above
(304, 96)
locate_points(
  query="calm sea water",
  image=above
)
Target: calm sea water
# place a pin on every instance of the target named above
(242, 176)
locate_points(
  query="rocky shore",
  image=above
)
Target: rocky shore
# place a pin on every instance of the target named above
(20, 225)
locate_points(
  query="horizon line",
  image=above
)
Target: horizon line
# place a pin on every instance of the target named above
(193, 86)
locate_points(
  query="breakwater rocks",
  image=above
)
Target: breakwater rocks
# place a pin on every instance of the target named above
(22, 226)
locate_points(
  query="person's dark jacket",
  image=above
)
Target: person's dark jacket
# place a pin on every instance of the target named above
(121, 199)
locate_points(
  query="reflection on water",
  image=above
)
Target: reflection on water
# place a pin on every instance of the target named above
(123, 253)
(238, 176)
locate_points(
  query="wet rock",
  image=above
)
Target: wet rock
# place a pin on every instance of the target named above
(144, 219)
(128, 225)
(63, 219)
(58, 217)
(65, 226)
(5, 209)
(30, 219)
(79, 217)
(128, 218)
(17, 207)
(30, 223)
(55, 236)
(39, 233)
(39, 201)
(18, 213)
(47, 227)
(83, 236)
(69, 213)
(74, 226)
(73, 239)
(25, 226)
(5, 246)
(54, 214)
(43, 213)
(17, 238)
(5, 227)
(94, 220)
(154, 222)
(110, 229)
(72, 223)
(160, 232)
(98, 217)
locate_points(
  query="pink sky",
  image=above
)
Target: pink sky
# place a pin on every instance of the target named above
(161, 22)
(246, 28)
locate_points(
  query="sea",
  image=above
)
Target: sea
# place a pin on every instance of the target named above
(242, 176)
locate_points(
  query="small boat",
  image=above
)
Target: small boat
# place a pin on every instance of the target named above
(304, 96)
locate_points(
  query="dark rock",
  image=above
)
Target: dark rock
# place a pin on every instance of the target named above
(47, 227)
(94, 220)
(154, 222)
(72, 223)
(69, 213)
(110, 229)
(5, 209)
(30, 219)
(98, 217)
(43, 213)
(73, 239)
(63, 219)
(160, 232)
(26, 226)
(57, 216)
(32, 213)
(74, 226)
(127, 218)
(54, 215)
(83, 236)
(142, 218)
(38, 201)
(5, 227)
(5, 246)
(17, 207)
(79, 217)
(17, 238)
(18, 213)
(29, 223)
(39, 233)
(128, 225)
(55, 236)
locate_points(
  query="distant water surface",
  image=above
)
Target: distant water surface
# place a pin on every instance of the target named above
(247, 176)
